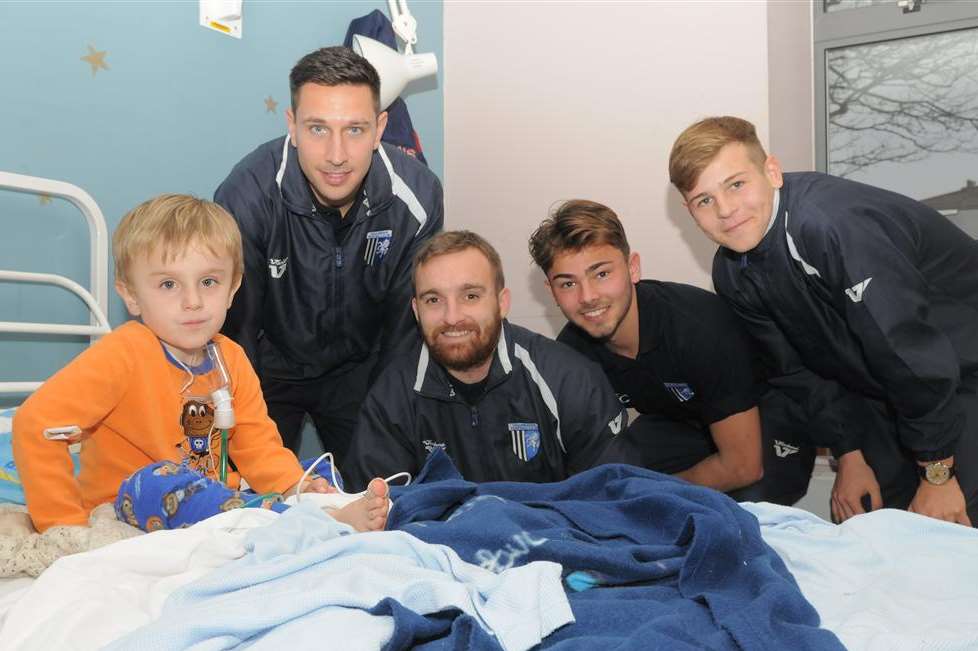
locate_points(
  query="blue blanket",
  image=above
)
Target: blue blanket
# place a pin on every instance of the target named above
(307, 581)
(649, 561)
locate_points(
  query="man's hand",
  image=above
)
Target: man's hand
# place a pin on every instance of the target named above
(853, 480)
(312, 485)
(945, 502)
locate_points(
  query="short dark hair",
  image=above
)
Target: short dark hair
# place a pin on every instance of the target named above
(334, 66)
(575, 225)
(455, 242)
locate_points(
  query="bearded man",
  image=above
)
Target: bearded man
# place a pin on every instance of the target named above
(504, 403)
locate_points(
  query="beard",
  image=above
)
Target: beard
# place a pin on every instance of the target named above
(607, 329)
(469, 354)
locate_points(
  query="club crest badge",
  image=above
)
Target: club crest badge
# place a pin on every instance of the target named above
(526, 440)
(680, 390)
(378, 244)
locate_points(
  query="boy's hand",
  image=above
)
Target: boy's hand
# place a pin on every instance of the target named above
(313, 485)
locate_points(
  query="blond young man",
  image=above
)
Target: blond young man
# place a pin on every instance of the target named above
(675, 353)
(504, 403)
(133, 398)
(865, 305)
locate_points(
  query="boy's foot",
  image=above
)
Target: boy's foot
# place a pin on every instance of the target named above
(369, 513)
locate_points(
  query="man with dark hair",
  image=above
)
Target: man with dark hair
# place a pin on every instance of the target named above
(865, 305)
(676, 354)
(503, 402)
(330, 219)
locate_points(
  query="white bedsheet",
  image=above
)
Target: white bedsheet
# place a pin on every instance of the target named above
(884, 581)
(85, 601)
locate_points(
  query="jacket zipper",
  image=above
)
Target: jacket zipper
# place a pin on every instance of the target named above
(337, 289)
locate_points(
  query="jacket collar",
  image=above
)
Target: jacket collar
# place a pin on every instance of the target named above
(294, 186)
(432, 379)
(775, 228)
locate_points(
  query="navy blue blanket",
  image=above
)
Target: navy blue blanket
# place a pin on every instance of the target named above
(649, 561)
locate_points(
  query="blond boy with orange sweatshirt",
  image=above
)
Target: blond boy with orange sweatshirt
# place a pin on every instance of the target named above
(134, 397)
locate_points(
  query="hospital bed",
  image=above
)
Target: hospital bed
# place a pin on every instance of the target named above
(95, 297)
(526, 559)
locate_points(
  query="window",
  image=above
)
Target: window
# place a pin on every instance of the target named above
(897, 99)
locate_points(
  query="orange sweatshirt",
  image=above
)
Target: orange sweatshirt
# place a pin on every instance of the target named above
(125, 396)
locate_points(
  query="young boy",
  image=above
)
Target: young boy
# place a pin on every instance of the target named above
(141, 395)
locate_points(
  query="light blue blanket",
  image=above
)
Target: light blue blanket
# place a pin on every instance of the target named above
(887, 580)
(306, 582)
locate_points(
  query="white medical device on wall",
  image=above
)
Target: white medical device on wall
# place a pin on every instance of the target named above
(222, 16)
(396, 70)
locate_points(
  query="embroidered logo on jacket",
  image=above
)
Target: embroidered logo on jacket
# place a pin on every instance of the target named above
(378, 244)
(277, 266)
(681, 390)
(526, 440)
(855, 293)
(615, 423)
(430, 446)
(783, 449)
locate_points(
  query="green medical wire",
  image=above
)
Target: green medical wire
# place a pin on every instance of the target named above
(264, 496)
(223, 468)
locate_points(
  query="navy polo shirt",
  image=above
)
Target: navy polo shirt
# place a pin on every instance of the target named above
(694, 362)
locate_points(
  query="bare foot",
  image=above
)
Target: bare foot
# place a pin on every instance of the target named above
(369, 513)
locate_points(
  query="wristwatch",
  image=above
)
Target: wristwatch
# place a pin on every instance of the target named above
(936, 472)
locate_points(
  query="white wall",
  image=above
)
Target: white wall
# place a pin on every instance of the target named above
(552, 101)
(792, 105)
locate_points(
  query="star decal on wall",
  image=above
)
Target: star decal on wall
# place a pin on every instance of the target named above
(270, 104)
(96, 59)
(44, 199)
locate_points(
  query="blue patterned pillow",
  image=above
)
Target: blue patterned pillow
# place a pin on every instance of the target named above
(10, 487)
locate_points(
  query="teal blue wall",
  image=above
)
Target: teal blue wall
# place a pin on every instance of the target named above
(177, 107)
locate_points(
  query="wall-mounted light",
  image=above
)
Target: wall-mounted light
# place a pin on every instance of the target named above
(222, 16)
(396, 70)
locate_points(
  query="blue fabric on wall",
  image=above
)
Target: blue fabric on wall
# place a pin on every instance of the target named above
(676, 566)
(400, 131)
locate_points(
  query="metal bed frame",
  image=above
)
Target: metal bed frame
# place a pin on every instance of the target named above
(96, 300)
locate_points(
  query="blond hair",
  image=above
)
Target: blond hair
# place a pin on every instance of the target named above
(573, 226)
(172, 224)
(455, 242)
(698, 145)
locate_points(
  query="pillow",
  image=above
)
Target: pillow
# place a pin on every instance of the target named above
(11, 490)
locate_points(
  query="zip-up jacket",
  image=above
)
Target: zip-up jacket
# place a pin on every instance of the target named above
(547, 412)
(308, 304)
(858, 292)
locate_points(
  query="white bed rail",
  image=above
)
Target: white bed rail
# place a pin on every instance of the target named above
(96, 300)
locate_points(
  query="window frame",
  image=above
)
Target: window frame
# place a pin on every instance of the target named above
(867, 25)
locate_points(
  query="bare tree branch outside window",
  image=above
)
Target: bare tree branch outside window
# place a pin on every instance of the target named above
(902, 100)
